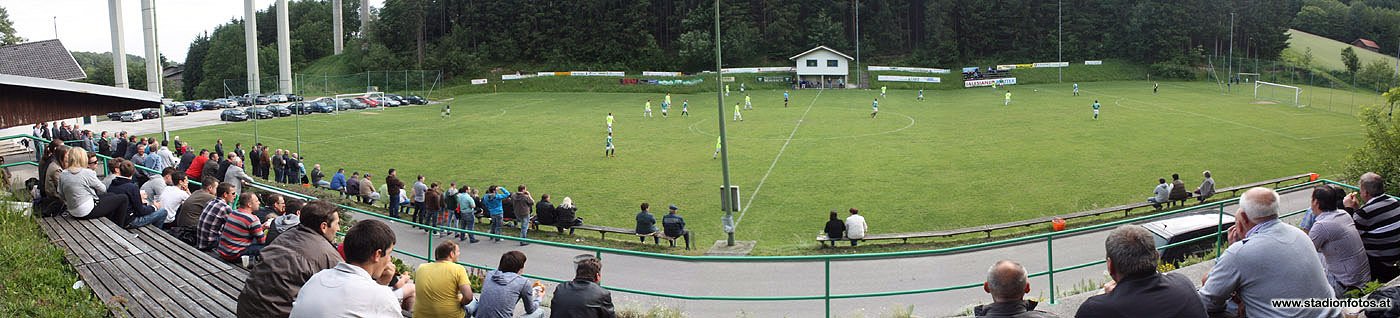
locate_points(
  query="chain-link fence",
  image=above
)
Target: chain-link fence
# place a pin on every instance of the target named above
(407, 82)
(1320, 89)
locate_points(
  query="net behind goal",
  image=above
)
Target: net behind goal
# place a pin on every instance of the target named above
(1277, 92)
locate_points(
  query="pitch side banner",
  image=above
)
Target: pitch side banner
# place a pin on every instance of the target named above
(988, 82)
(1052, 64)
(548, 74)
(896, 78)
(1093, 62)
(908, 69)
(507, 77)
(661, 73)
(742, 70)
(593, 73)
(479, 81)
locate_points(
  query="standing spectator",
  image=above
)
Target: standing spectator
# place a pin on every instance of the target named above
(187, 216)
(432, 202)
(522, 202)
(367, 193)
(293, 173)
(278, 163)
(173, 197)
(238, 150)
(855, 227)
(492, 201)
(835, 228)
(243, 234)
(674, 226)
(225, 161)
(1206, 189)
(504, 286)
(1272, 261)
(266, 163)
(211, 220)
(442, 287)
(1137, 289)
(337, 180)
(196, 167)
(255, 159)
(317, 176)
(583, 297)
(1008, 285)
(1377, 220)
(646, 224)
(466, 206)
(544, 211)
(394, 190)
(1160, 193)
(567, 215)
(419, 190)
(186, 159)
(235, 175)
(1334, 235)
(349, 288)
(139, 210)
(289, 262)
(219, 146)
(211, 166)
(1178, 191)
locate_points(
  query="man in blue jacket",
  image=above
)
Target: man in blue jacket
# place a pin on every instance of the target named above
(646, 224)
(137, 212)
(492, 200)
(338, 180)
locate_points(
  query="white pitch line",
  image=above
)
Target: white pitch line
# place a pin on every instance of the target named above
(775, 159)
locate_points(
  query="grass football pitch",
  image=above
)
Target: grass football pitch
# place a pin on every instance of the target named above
(958, 159)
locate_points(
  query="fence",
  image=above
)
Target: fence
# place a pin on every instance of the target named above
(1323, 90)
(407, 82)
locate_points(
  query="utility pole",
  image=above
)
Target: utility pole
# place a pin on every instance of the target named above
(1060, 19)
(1230, 70)
(856, 8)
(725, 199)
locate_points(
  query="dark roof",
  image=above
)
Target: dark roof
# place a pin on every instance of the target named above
(1367, 43)
(42, 59)
(172, 71)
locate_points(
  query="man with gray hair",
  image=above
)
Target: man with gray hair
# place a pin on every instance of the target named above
(1378, 220)
(1266, 260)
(1137, 290)
(1007, 283)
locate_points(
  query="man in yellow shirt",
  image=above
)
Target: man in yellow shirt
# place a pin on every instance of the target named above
(443, 287)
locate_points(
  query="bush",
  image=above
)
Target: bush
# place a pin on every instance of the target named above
(1380, 153)
(1166, 70)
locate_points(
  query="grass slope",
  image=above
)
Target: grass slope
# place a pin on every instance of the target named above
(1327, 53)
(37, 278)
(959, 159)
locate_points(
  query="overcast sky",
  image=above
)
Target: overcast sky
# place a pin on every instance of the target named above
(83, 25)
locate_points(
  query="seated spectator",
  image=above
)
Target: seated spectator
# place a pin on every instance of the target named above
(243, 235)
(352, 186)
(1378, 221)
(1272, 261)
(674, 226)
(187, 216)
(567, 216)
(1160, 193)
(1007, 283)
(544, 211)
(442, 286)
(1207, 188)
(367, 193)
(138, 211)
(338, 180)
(1137, 289)
(835, 227)
(317, 175)
(289, 261)
(211, 168)
(174, 196)
(56, 160)
(504, 286)
(78, 186)
(1178, 191)
(855, 226)
(154, 186)
(1334, 235)
(582, 297)
(349, 289)
(211, 220)
(646, 224)
(275, 205)
(285, 222)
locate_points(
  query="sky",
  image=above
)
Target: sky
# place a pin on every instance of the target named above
(83, 25)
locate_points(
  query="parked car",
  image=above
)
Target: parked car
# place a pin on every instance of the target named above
(368, 101)
(351, 103)
(130, 116)
(114, 116)
(226, 103)
(416, 100)
(240, 101)
(277, 98)
(233, 114)
(193, 106)
(387, 101)
(322, 106)
(149, 113)
(279, 110)
(261, 100)
(177, 110)
(257, 112)
(397, 98)
(294, 97)
(1185, 228)
(300, 108)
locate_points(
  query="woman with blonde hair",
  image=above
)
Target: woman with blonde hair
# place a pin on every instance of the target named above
(566, 214)
(79, 187)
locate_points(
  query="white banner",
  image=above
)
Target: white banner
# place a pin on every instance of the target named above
(479, 81)
(1093, 62)
(1006, 67)
(739, 70)
(595, 73)
(544, 74)
(908, 69)
(515, 76)
(1052, 64)
(661, 74)
(897, 78)
(988, 82)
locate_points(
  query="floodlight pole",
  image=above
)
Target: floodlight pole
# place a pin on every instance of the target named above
(856, 8)
(1060, 19)
(1230, 70)
(728, 220)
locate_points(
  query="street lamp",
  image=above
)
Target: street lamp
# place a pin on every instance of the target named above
(728, 220)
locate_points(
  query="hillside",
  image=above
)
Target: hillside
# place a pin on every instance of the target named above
(1327, 53)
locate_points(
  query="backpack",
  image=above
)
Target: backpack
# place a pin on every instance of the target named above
(1393, 293)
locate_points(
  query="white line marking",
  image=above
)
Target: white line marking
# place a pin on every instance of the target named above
(775, 159)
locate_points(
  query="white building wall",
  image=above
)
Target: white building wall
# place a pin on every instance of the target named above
(823, 57)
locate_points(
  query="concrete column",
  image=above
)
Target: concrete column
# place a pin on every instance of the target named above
(153, 67)
(250, 43)
(114, 11)
(338, 25)
(364, 18)
(284, 50)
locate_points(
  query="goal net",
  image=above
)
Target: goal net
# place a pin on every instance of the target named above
(1277, 92)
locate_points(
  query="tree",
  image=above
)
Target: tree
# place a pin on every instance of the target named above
(7, 29)
(1352, 62)
(1378, 74)
(1380, 153)
(194, 66)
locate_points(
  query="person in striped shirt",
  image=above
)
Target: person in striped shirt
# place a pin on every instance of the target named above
(211, 220)
(242, 233)
(1378, 219)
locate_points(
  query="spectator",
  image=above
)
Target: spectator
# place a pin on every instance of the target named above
(219, 146)
(1272, 261)
(855, 226)
(285, 222)
(255, 160)
(1007, 283)
(521, 203)
(395, 191)
(275, 206)
(186, 159)
(646, 224)
(211, 167)
(235, 175)
(567, 214)
(289, 262)
(492, 200)
(466, 206)
(432, 202)
(337, 181)
(1178, 191)
(1334, 235)
(317, 175)
(1378, 221)
(350, 288)
(187, 216)
(167, 158)
(279, 161)
(442, 287)
(674, 226)
(293, 173)
(503, 286)
(835, 228)
(139, 210)
(211, 220)
(352, 186)
(196, 168)
(367, 193)
(544, 211)
(225, 161)
(1137, 289)
(1207, 188)
(174, 196)
(238, 150)
(419, 192)
(57, 161)
(154, 186)
(78, 187)
(243, 234)
(1160, 193)
(582, 297)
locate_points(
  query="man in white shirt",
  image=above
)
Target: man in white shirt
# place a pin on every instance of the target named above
(174, 195)
(349, 289)
(855, 226)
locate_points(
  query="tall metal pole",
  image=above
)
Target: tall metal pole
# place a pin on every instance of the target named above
(1060, 19)
(114, 10)
(725, 202)
(857, 10)
(154, 80)
(1230, 70)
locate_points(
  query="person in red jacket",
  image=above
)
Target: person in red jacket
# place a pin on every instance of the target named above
(196, 170)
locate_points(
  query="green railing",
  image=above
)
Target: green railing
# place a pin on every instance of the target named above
(1049, 238)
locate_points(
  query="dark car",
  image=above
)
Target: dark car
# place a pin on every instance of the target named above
(114, 116)
(233, 114)
(226, 103)
(279, 110)
(261, 100)
(131, 116)
(149, 113)
(416, 100)
(396, 98)
(300, 108)
(194, 106)
(177, 110)
(294, 97)
(240, 101)
(258, 113)
(1185, 228)
(351, 103)
(322, 106)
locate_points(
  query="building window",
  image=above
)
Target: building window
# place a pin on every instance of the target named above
(832, 63)
(811, 63)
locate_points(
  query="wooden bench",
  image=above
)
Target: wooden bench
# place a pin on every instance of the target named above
(145, 272)
(604, 230)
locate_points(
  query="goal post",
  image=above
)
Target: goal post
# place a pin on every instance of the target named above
(1277, 92)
